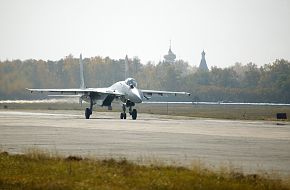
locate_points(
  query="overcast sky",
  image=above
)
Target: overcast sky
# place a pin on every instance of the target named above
(228, 30)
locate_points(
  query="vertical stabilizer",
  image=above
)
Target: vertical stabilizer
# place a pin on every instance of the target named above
(126, 67)
(82, 85)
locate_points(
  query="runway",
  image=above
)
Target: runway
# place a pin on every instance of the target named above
(249, 146)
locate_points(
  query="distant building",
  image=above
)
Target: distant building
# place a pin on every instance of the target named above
(203, 65)
(170, 57)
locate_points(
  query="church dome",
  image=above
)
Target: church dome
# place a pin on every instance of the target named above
(170, 57)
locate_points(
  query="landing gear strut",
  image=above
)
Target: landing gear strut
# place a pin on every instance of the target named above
(89, 111)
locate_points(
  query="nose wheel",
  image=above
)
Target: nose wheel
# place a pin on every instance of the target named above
(123, 116)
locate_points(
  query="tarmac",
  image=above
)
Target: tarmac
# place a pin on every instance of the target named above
(246, 146)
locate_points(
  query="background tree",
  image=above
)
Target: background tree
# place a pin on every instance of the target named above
(239, 83)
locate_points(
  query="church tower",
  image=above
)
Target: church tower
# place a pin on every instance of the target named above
(170, 57)
(203, 65)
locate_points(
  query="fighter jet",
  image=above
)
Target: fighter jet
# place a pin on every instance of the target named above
(125, 92)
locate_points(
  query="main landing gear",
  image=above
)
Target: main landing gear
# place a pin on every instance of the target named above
(133, 112)
(89, 111)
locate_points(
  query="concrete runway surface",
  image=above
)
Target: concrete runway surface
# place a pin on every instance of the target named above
(248, 146)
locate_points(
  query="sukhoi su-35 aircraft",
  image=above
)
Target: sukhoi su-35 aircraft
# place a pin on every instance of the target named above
(124, 91)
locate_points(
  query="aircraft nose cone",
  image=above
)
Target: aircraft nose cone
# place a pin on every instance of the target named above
(137, 96)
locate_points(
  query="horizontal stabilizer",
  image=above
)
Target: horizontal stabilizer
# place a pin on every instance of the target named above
(62, 95)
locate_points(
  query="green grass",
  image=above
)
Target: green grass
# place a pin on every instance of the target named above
(242, 112)
(36, 170)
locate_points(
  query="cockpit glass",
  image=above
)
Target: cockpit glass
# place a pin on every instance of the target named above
(130, 82)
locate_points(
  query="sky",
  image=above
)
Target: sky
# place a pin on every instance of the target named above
(229, 31)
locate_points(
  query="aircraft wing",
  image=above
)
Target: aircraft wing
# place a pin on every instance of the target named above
(78, 91)
(161, 93)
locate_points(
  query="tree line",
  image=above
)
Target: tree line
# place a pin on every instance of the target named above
(238, 83)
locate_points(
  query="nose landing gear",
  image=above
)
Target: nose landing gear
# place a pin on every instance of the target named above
(123, 116)
(133, 112)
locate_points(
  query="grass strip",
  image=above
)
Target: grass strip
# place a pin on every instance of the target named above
(43, 171)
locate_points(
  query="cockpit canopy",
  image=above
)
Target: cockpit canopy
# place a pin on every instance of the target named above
(131, 82)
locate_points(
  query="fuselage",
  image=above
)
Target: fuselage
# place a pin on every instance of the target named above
(130, 91)
(127, 89)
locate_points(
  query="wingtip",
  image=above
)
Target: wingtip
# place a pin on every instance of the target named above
(29, 90)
